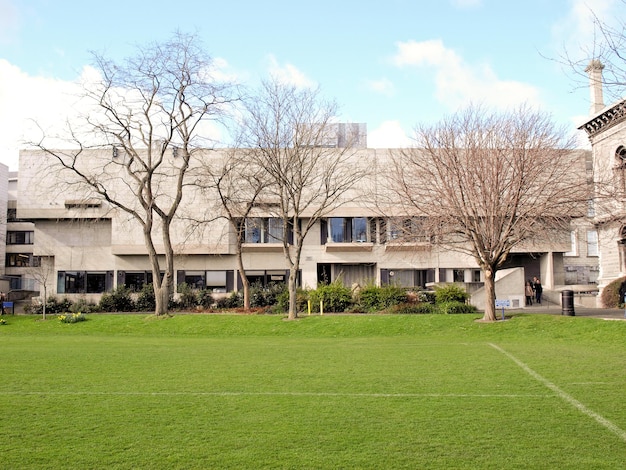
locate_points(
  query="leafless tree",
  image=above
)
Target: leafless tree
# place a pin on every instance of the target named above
(153, 111)
(607, 47)
(288, 132)
(42, 271)
(484, 183)
(236, 182)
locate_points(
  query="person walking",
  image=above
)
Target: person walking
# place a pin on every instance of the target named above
(528, 290)
(538, 289)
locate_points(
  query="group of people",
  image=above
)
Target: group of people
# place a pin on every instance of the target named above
(533, 290)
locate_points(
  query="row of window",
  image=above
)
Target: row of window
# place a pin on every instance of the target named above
(26, 237)
(340, 230)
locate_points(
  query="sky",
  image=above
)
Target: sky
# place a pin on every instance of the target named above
(392, 64)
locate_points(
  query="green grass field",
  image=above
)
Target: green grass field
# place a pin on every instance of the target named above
(354, 391)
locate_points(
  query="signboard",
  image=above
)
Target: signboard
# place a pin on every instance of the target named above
(501, 303)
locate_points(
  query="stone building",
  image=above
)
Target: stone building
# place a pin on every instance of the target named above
(606, 129)
(90, 247)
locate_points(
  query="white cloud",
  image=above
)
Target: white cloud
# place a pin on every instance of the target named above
(458, 83)
(24, 100)
(289, 74)
(384, 86)
(388, 135)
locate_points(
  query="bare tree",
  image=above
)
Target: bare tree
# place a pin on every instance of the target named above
(288, 133)
(42, 271)
(238, 181)
(484, 183)
(153, 111)
(607, 47)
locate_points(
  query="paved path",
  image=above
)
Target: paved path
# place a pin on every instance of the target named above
(554, 309)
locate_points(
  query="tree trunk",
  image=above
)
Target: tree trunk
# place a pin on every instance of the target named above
(245, 283)
(293, 305)
(490, 294)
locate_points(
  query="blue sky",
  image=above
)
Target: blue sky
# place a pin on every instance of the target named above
(391, 64)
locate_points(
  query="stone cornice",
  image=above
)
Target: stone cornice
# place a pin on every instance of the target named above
(606, 119)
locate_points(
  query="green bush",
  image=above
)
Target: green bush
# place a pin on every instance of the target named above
(145, 300)
(234, 300)
(450, 293)
(188, 297)
(266, 296)
(373, 298)
(612, 293)
(455, 306)
(53, 306)
(118, 300)
(335, 296)
(302, 300)
(205, 298)
(414, 308)
(82, 306)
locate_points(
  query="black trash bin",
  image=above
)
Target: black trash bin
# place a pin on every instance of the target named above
(567, 303)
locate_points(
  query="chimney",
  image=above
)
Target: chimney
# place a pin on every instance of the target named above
(594, 69)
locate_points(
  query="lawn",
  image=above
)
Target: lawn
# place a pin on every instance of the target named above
(333, 391)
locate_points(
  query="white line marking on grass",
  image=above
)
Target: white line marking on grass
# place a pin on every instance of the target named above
(565, 396)
(286, 394)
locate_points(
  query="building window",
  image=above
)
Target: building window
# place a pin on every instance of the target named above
(458, 275)
(410, 230)
(348, 229)
(591, 208)
(592, 243)
(20, 238)
(21, 260)
(573, 245)
(79, 282)
(263, 230)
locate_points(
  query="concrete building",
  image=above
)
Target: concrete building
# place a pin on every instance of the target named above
(606, 129)
(90, 247)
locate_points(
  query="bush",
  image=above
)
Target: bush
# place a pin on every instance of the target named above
(266, 296)
(146, 301)
(205, 298)
(302, 301)
(188, 297)
(419, 308)
(82, 305)
(234, 300)
(335, 296)
(53, 306)
(613, 294)
(118, 300)
(373, 298)
(450, 293)
(454, 306)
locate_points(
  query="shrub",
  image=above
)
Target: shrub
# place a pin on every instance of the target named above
(455, 306)
(412, 308)
(374, 298)
(266, 296)
(302, 301)
(335, 296)
(188, 296)
(118, 300)
(612, 294)
(82, 305)
(145, 300)
(234, 300)
(53, 306)
(205, 298)
(450, 293)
